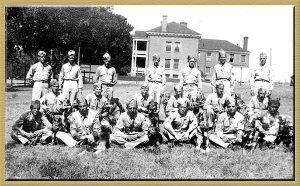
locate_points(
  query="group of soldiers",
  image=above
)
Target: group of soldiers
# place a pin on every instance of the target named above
(152, 116)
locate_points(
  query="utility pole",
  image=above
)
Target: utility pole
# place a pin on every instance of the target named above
(78, 60)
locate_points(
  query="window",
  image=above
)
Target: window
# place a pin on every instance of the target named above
(177, 46)
(168, 46)
(176, 63)
(167, 75)
(208, 56)
(167, 63)
(231, 58)
(175, 76)
(141, 45)
(243, 59)
(207, 70)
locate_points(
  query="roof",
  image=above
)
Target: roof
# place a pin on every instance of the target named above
(215, 44)
(140, 34)
(174, 27)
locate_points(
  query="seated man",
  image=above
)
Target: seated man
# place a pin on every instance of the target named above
(215, 104)
(142, 99)
(229, 127)
(132, 128)
(257, 103)
(180, 126)
(267, 124)
(32, 127)
(174, 101)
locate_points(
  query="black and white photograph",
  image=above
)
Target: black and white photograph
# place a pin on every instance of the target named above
(149, 92)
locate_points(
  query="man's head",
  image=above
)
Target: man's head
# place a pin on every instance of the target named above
(71, 56)
(97, 90)
(144, 90)
(274, 105)
(82, 106)
(220, 88)
(261, 94)
(262, 58)
(182, 107)
(54, 86)
(192, 62)
(132, 108)
(107, 60)
(155, 59)
(222, 56)
(178, 90)
(41, 56)
(35, 107)
(231, 106)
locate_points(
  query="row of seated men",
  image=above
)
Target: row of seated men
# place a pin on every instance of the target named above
(97, 121)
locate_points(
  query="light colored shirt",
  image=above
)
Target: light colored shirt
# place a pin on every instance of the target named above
(39, 72)
(106, 75)
(254, 104)
(78, 124)
(269, 123)
(222, 72)
(95, 103)
(126, 125)
(51, 101)
(70, 72)
(155, 74)
(191, 76)
(141, 101)
(181, 123)
(261, 73)
(229, 125)
(173, 103)
(213, 101)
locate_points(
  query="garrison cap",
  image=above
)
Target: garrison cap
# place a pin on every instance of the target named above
(35, 103)
(145, 86)
(263, 55)
(132, 103)
(178, 87)
(41, 53)
(71, 53)
(106, 56)
(222, 53)
(53, 82)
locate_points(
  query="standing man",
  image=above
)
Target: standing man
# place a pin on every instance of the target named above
(106, 76)
(222, 72)
(156, 79)
(39, 74)
(261, 77)
(191, 80)
(70, 78)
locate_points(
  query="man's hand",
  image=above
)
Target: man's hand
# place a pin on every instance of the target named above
(38, 133)
(30, 135)
(224, 138)
(185, 136)
(131, 137)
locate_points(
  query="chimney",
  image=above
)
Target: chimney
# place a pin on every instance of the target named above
(164, 23)
(183, 24)
(245, 46)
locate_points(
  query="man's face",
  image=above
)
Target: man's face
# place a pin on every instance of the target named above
(220, 90)
(155, 61)
(132, 111)
(231, 108)
(35, 109)
(261, 94)
(273, 108)
(83, 109)
(222, 58)
(192, 63)
(71, 58)
(107, 62)
(178, 92)
(55, 88)
(182, 109)
(98, 91)
(263, 60)
(41, 59)
(144, 91)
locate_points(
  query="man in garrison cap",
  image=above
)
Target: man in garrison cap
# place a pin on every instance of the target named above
(143, 98)
(106, 76)
(39, 74)
(131, 129)
(70, 79)
(261, 77)
(176, 99)
(222, 72)
(156, 79)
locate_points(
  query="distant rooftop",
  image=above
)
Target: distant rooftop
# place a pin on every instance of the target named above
(174, 27)
(215, 44)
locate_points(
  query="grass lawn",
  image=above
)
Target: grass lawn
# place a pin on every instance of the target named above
(61, 162)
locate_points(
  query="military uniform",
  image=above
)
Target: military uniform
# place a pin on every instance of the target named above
(223, 74)
(255, 106)
(130, 126)
(142, 102)
(106, 78)
(173, 103)
(261, 78)
(156, 80)
(191, 81)
(40, 74)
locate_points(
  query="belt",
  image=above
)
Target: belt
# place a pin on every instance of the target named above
(263, 80)
(223, 79)
(190, 84)
(42, 81)
(70, 80)
(155, 81)
(107, 84)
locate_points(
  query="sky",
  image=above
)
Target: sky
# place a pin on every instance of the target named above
(269, 28)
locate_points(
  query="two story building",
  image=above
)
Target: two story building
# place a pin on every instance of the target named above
(174, 42)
